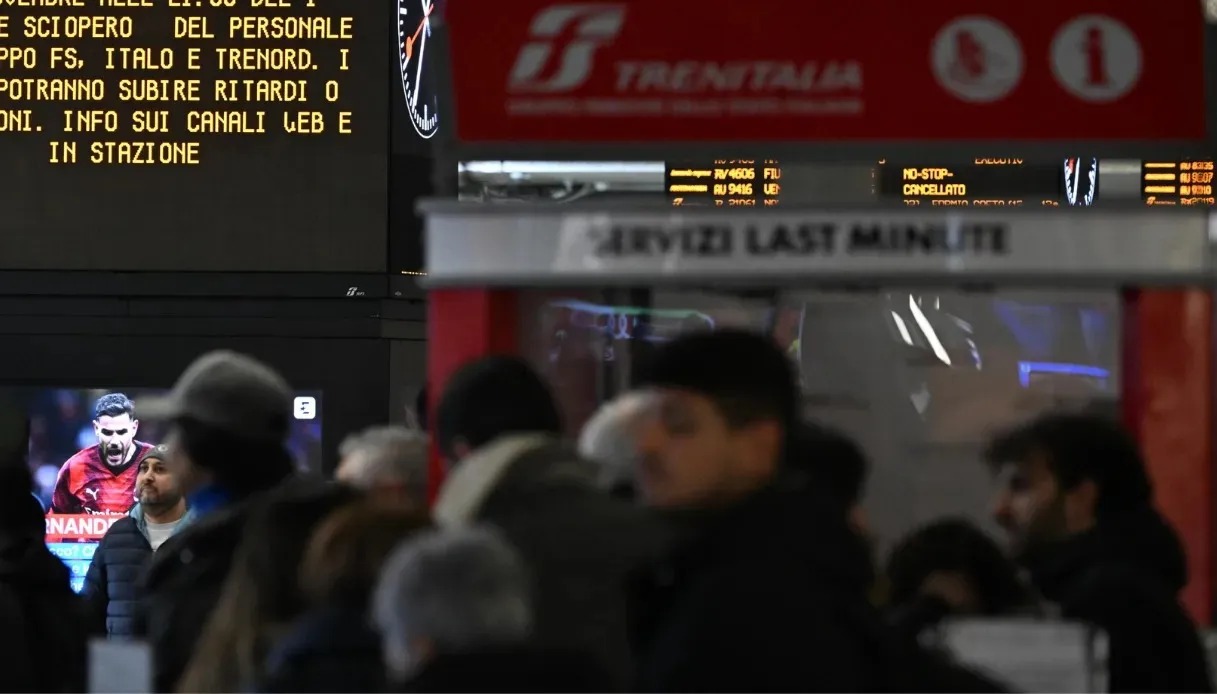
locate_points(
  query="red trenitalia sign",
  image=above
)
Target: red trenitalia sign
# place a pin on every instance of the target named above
(802, 70)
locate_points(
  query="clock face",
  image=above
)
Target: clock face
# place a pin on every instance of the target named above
(417, 80)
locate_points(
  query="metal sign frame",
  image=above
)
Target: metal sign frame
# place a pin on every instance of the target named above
(450, 152)
(546, 245)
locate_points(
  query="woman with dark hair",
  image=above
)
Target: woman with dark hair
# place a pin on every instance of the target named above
(333, 646)
(261, 595)
(951, 567)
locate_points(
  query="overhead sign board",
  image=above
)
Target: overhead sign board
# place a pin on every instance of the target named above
(531, 245)
(817, 71)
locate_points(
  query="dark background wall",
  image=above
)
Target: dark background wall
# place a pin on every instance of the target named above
(340, 347)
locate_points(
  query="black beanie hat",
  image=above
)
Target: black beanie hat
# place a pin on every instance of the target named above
(745, 373)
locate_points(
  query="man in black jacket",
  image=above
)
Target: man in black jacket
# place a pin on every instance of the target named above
(1076, 503)
(230, 418)
(767, 590)
(110, 588)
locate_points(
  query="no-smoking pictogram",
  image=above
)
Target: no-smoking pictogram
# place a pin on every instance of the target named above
(977, 59)
(1096, 58)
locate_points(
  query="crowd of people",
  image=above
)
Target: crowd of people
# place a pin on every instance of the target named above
(698, 536)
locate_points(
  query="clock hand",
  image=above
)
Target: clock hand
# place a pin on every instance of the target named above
(408, 46)
(418, 74)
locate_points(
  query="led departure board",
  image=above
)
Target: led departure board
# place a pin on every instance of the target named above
(983, 182)
(1177, 183)
(724, 183)
(195, 134)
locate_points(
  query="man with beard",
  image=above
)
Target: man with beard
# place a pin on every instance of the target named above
(111, 586)
(1076, 502)
(101, 479)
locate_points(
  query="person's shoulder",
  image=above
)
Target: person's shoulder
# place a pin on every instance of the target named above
(121, 528)
(203, 548)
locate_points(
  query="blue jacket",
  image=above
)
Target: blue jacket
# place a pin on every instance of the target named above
(111, 585)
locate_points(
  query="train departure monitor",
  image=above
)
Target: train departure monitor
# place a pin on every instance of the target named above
(1177, 182)
(724, 183)
(194, 134)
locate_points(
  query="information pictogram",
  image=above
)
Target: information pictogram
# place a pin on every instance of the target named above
(1096, 58)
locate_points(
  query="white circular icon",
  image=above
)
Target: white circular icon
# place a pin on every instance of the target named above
(977, 59)
(1096, 58)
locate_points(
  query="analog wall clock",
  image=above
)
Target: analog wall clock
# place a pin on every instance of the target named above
(418, 81)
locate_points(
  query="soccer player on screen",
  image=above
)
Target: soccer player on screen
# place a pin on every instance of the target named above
(101, 479)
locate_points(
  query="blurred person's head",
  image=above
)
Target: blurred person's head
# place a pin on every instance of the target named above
(115, 424)
(488, 398)
(346, 553)
(262, 593)
(1063, 474)
(156, 488)
(726, 402)
(610, 438)
(230, 416)
(389, 461)
(21, 515)
(834, 465)
(985, 581)
(451, 592)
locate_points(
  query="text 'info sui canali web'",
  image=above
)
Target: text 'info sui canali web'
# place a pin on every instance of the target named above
(156, 82)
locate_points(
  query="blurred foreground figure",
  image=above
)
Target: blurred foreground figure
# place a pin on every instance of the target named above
(1076, 504)
(389, 462)
(455, 611)
(229, 417)
(767, 591)
(498, 427)
(610, 438)
(952, 568)
(42, 624)
(333, 646)
(261, 594)
(834, 468)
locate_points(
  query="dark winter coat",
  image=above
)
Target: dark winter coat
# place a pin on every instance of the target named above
(331, 649)
(580, 543)
(111, 588)
(1125, 577)
(520, 669)
(771, 595)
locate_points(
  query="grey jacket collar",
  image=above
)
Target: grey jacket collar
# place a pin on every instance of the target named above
(469, 485)
(141, 522)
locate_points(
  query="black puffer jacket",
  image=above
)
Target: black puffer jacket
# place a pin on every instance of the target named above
(111, 587)
(1125, 577)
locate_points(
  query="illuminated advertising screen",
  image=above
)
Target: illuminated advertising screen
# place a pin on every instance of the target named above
(195, 134)
(85, 466)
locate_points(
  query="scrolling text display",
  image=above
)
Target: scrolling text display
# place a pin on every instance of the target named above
(155, 82)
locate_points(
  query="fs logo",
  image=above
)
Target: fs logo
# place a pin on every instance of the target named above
(593, 25)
